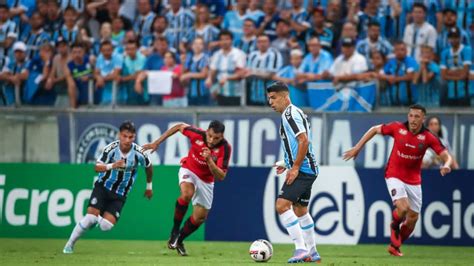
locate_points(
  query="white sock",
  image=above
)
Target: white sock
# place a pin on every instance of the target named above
(307, 226)
(292, 226)
(87, 222)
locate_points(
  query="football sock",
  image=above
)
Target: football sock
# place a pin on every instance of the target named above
(189, 227)
(179, 212)
(396, 218)
(307, 227)
(87, 222)
(292, 226)
(405, 232)
(105, 225)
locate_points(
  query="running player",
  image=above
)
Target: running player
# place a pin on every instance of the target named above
(208, 159)
(402, 174)
(117, 168)
(293, 199)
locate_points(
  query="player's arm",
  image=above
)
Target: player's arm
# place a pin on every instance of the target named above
(217, 172)
(103, 167)
(170, 132)
(448, 160)
(352, 153)
(149, 181)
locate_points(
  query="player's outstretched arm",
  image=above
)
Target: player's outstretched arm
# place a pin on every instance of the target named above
(448, 160)
(354, 151)
(170, 132)
(101, 167)
(149, 180)
(215, 170)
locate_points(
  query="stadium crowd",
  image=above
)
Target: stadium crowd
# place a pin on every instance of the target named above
(52, 51)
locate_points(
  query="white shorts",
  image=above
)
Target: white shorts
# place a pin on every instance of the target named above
(203, 192)
(399, 189)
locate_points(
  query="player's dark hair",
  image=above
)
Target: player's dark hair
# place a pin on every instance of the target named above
(226, 33)
(277, 86)
(440, 133)
(420, 5)
(217, 126)
(418, 107)
(129, 126)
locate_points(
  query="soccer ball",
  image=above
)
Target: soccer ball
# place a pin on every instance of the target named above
(261, 250)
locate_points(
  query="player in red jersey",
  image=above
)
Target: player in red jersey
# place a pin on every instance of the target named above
(208, 158)
(402, 173)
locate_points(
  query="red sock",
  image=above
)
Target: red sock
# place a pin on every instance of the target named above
(405, 232)
(396, 219)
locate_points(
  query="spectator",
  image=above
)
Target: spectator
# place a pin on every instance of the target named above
(368, 16)
(79, 73)
(349, 30)
(227, 67)
(107, 11)
(35, 36)
(248, 42)
(392, 28)
(133, 64)
(419, 32)
(196, 69)
(107, 70)
(267, 24)
(42, 7)
(160, 26)
(54, 20)
(234, 19)
(431, 159)
(38, 71)
(349, 65)
(69, 31)
(261, 66)
(15, 73)
(288, 74)
(57, 79)
(399, 72)
(129, 36)
(455, 65)
(180, 20)
(316, 63)
(78, 5)
(144, 22)
(105, 35)
(319, 30)
(8, 32)
(449, 21)
(255, 12)
(428, 79)
(374, 42)
(376, 66)
(283, 43)
(21, 12)
(177, 97)
(202, 28)
(464, 10)
(118, 31)
(432, 11)
(217, 9)
(297, 17)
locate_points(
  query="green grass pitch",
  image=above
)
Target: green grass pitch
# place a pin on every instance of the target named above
(129, 252)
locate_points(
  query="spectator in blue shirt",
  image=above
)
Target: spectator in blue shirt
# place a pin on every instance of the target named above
(319, 29)
(38, 71)
(464, 10)
(399, 73)
(54, 19)
(202, 28)
(374, 42)
(316, 63)
(449, 21)
(35, 36)
(428, 78)
(160, 29)
(180, 20)
(234, 19)
(8, 32)
(254, 11)
(79, 73)
(144, 21)
(133, 64)
(217, 9)
(268, 23)
(14, 73)
(196, 69)
(107, 70)
(455, 66)
(248, 42)
(69, 31)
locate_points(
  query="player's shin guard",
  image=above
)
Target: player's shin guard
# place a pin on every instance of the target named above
(405, 232)
(81, 227)
(292, 226)
(189, 227)
(179, 212)
(307, 226)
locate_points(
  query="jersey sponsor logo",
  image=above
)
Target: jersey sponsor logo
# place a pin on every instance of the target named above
(402, 131)
(410, 157)
(421, 137)
(93, 140)
(410, 146)
(199, 142)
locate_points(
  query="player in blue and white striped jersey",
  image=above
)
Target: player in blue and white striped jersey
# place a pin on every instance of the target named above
(294, 197)
(117, 168)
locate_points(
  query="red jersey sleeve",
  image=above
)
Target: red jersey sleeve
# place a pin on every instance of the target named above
(193, 132)
(224, 157)
(435, 144)
(390, 128)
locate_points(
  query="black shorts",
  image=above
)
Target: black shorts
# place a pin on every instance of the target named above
(299, 191)
(106, 201)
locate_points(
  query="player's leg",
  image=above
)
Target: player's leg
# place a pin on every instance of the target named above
(415, 201)
(96, 204)
(112, 213)
(399, 197)
(307, 226)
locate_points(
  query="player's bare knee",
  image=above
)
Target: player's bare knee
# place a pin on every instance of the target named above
(300, 210)
(403, 206)
(105, 225)
(186, 196)
(282, 205)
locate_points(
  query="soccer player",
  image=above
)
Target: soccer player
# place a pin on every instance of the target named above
(117, 168)
(402, 174)
(207, 160)
(302, 172)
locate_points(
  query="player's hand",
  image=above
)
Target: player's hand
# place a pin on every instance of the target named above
(445, 170)
(148, 194)
(119, 164)
(280, 167)
(206, 153)
(350, 154)
(150, 146)
(291, 175)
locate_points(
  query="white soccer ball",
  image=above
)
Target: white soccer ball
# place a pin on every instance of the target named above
(261, 250)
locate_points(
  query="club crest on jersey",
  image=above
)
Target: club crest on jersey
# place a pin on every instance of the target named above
(199, 142)
(93, 140)
(94, 201)
(394, 192)
(216, 150)
(185, 176)
(403, 131)
(421, 137)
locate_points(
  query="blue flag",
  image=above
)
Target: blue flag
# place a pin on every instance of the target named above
(350, 97)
